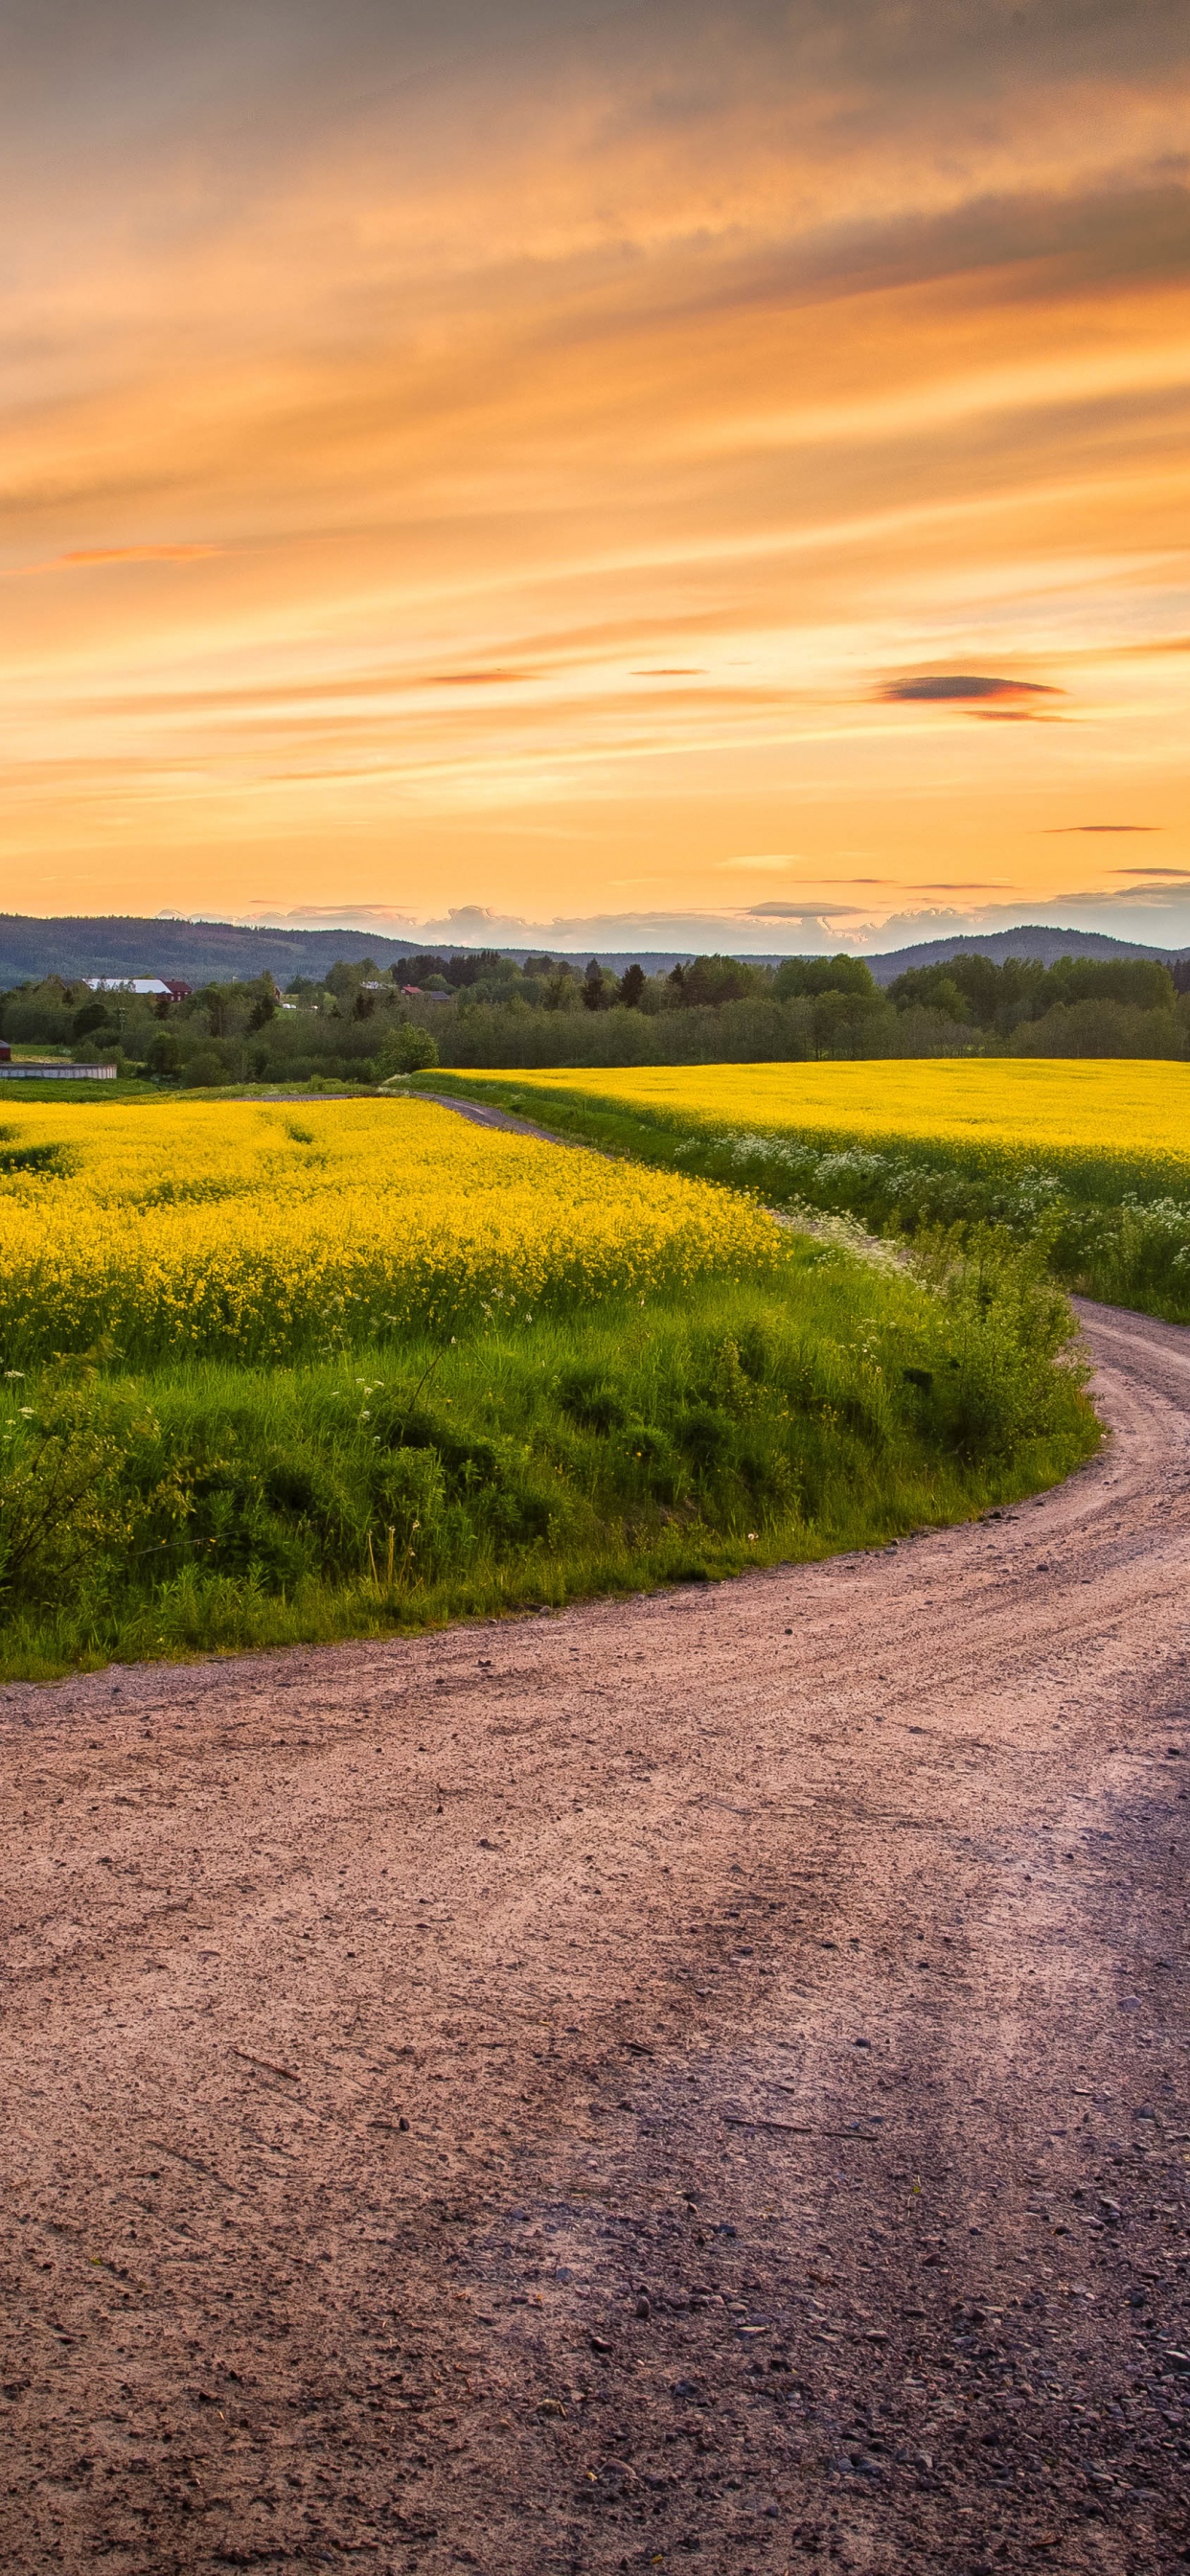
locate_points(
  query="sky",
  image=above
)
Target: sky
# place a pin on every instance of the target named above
(622, 471)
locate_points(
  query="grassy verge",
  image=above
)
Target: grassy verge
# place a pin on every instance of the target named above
(155, 1089)
(1108, 1223)
(189, 1507)
(55, 1091)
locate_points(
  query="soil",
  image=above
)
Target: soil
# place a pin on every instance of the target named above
(480, 1113)
(693, 2082)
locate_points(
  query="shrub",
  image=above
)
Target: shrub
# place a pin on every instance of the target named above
(722, 1425)
(204, 1068)
(409, 1049)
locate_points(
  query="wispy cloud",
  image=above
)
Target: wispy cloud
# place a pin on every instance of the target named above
(98, 558)
(493, 679)
(1013, 701)
(777, 864)
(798, 912)
(84, 557)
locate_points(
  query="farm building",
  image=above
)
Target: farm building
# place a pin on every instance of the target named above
(153, 988)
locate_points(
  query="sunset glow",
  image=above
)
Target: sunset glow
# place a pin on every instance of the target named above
(645, 463)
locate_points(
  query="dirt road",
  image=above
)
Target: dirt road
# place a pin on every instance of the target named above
(695, 2082)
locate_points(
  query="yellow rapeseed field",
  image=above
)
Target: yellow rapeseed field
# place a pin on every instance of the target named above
(261, 1231)
(1119, 1108)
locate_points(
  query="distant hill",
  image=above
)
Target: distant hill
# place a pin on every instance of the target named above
(199, 952)
(207, 952)
(1033, 939)
(203, 952)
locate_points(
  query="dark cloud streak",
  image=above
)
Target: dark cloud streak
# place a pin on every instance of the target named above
(960, 689)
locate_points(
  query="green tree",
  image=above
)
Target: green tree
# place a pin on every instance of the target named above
(1142, 983)
(839, 1021)
(409, 1049)
(711, 980)
(344, 980)
(205, 1068)
(163, 1054)
(92, 1016)
(811, 976)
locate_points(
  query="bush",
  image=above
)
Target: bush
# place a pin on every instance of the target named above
(409, 1049)
(205, 1068)
(201, 1504)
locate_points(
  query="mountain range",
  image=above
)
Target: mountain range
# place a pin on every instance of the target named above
(201, 952)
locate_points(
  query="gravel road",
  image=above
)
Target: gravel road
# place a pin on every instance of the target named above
(694, 2082)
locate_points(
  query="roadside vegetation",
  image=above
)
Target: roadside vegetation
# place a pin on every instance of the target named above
(1086, 1165)
(270, 1378)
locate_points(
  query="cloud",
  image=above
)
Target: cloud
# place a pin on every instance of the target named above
(1119, 899)
(960, 689)
(686, 933)
(474, 679)
(801, 912)
(774, 865)
(94, 558)
(137, 554)
(1056, 830)
(353, 916)
(1015, 715)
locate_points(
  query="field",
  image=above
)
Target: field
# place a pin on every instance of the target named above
(1116, 1108)
(274, 1374)
(1088, 1160)
(265, 1233)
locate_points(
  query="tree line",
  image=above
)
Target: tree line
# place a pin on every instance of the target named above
(364, 1023)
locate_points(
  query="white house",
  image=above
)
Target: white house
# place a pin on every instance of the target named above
(149, 984)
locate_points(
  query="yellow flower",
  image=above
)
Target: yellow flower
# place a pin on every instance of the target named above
(1021, 1105)
(185, 1225)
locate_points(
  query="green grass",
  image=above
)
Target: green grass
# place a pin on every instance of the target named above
(1107, 1224)
(17, 1094)
(156, 1088)
(185, 1509)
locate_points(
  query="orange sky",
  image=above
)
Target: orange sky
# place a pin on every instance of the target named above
(545, 471)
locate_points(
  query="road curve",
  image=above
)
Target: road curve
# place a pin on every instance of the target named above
(695, 2080)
